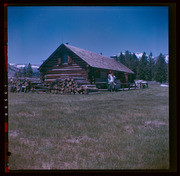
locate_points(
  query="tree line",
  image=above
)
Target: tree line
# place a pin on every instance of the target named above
(146, 68)
(26, 72)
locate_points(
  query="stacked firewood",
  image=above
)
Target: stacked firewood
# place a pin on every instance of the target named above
(60, 86)
(66, 86)
(19, 85)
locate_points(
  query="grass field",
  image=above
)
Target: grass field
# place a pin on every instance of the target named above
(118, 130)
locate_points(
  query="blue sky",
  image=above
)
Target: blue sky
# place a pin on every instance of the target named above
(35, 32)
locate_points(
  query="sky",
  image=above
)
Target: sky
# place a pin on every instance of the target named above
(35, 32)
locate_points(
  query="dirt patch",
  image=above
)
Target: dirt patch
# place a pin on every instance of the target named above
(26, 141)
(79, 139)
(13, 133)
(155, 123)
(151, 124)
(129, 129)
(47, 165)
(26, 114)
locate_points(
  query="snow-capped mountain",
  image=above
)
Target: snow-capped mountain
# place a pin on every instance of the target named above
(139, 55)
(166, 57)
(12, 70)
(21, 66)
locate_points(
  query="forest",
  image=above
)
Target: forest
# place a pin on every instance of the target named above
(146, 68)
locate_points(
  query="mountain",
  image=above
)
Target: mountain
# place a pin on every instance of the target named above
(21, 66)
(139, 55)
(12, 70)
(166, 56)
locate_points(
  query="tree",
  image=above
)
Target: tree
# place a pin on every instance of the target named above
(150, 68)
(134, 66)
(127, 58)
(19, 73)
(121, 58)
(29, 71)
(15, 75)
(160, 69)
(130, 61)
(142, 67)
(24, 72)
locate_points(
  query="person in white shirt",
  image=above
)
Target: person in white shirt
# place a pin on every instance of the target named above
(111, 81)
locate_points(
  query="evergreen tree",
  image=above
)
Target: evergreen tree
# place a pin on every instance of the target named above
(142, 67)
(127, 58)
(160, 69)
(134, 66)
(150, 68)
(121, 58)
(29, 71)
(19, 73)
(15, 75)
(24, 72)
(130, 61)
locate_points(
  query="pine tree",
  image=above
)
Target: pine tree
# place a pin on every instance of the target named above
(127, 58)
(121, 58)
(19, 73)
(29, 71)
(142, 67)
(134, 66)
(15, 75)
(150, 68)
(160, 69)
(130, 61)
(24, 72)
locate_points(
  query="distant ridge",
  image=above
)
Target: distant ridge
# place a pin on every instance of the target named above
(12, 70)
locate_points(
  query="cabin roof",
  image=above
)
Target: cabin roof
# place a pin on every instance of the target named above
(97, 60)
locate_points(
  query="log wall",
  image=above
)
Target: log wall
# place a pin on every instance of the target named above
(54, 69)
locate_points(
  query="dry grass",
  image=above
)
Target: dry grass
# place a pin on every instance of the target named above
(118, 130)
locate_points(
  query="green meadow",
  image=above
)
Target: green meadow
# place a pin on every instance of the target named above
(118, 130)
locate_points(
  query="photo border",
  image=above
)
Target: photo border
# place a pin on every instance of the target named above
(172, 92)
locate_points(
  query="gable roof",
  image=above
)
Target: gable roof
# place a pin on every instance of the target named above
(97, 60)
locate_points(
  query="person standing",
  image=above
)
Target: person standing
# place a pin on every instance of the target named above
(111, 83)
(109, 77)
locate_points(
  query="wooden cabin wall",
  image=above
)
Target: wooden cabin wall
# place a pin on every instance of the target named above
(75, 68)
(100, 78)
(121, 76)
(100, 75)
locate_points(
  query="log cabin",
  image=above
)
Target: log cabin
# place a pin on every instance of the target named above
(84, 66)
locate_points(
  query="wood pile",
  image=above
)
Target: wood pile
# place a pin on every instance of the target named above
(60, 86)
(67, 86)
(40, 88)
(19, 85)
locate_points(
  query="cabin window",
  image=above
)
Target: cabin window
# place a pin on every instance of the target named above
(69, 60)
(65, 58)
(59, 61)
